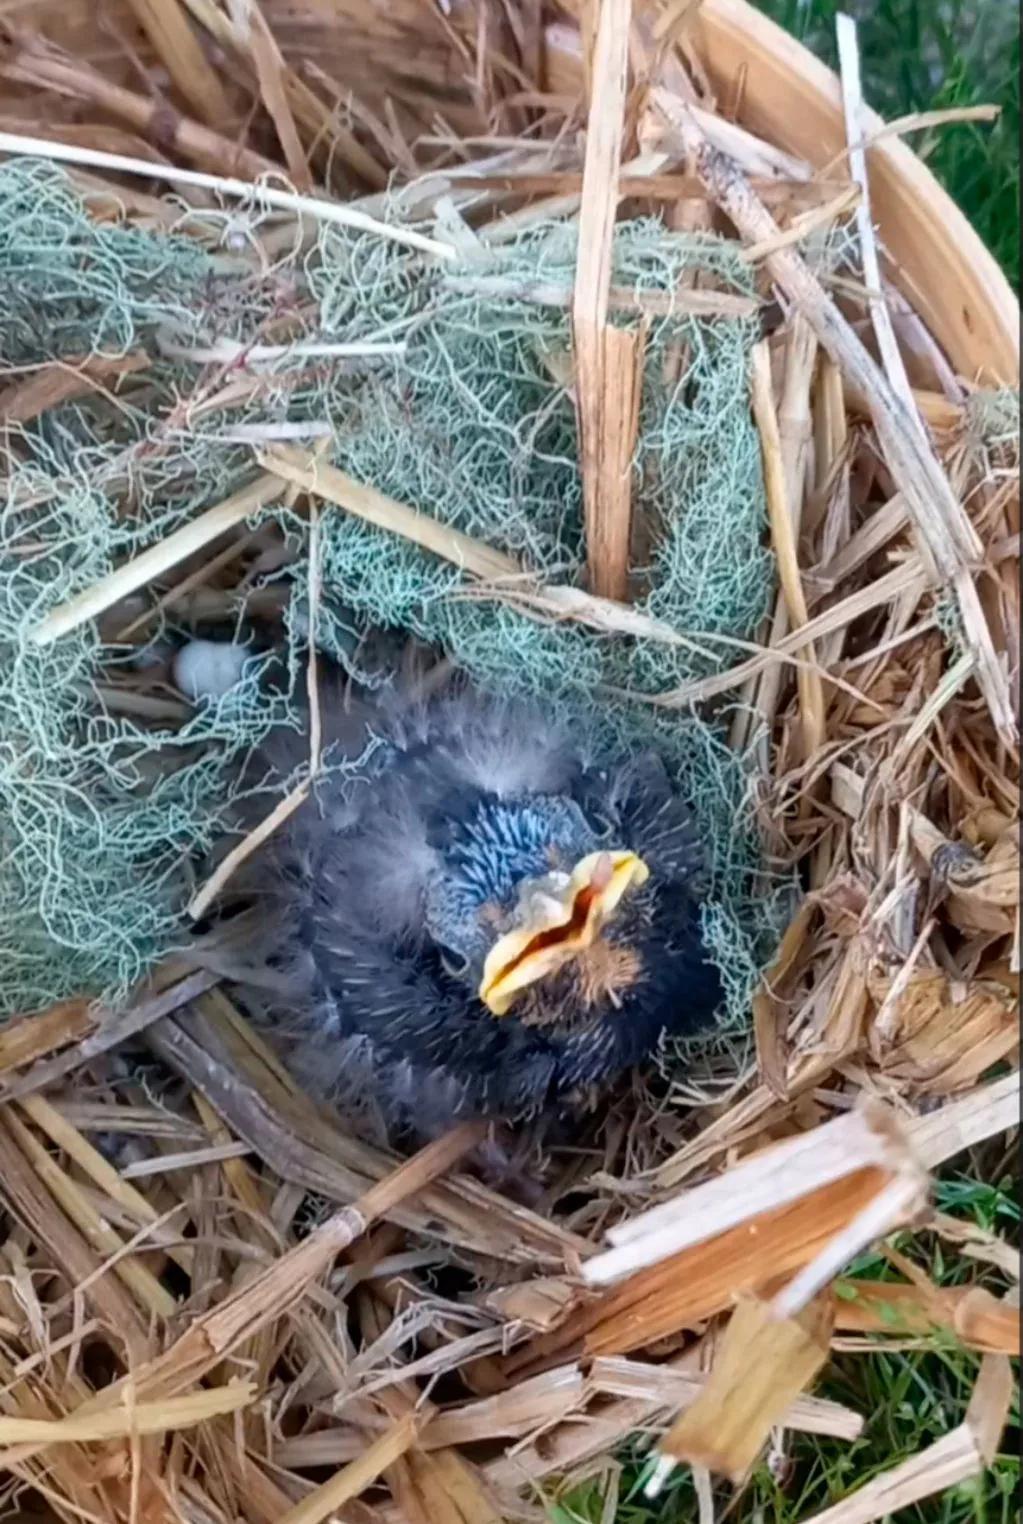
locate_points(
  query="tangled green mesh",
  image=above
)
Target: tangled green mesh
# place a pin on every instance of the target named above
(104, 819)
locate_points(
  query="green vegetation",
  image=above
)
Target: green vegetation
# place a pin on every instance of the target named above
(919, 55)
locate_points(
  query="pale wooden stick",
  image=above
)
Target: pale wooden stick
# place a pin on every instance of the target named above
(608, 362)
(271, 73)
(915, 121)
(312, 207)
(985, 1112)
(157, 559)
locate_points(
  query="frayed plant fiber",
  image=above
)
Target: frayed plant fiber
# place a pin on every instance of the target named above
(104, 819)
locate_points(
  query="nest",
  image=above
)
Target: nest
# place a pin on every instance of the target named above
(264, 1317)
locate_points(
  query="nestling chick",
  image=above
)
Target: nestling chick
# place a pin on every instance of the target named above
(483, 923)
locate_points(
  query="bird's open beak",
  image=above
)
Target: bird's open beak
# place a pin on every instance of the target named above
(524, 955)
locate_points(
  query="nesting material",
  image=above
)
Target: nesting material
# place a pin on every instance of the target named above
(624, 357)
(761, 1364)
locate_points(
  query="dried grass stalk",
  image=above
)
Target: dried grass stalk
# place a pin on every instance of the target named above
(158, 559)
(62, 381)
(608, 362)
(355, 1478)
(334, 486)
(177, 135)
(315, 208)
(132, 1418)
(784, 474)
(106, 1030)
(25, 1039)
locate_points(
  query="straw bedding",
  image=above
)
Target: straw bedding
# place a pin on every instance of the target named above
(258, 1315)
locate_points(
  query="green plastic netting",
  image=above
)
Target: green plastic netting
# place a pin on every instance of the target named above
(103, 818)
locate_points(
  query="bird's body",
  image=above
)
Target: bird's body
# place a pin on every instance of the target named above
(388, 901)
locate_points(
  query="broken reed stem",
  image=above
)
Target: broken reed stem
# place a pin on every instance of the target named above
(782, 1174)
(608, 361)
(107, 1030)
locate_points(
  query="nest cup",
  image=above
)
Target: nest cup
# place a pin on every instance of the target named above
(265, 1317)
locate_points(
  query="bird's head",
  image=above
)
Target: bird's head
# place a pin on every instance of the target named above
(562, 921)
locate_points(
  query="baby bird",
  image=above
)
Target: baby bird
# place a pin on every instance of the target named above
(482, 920)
